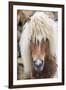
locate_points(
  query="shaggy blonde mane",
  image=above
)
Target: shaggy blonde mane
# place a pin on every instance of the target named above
(40, 26)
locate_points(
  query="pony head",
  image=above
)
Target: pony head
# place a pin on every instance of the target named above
(39, 50)
(38, 41)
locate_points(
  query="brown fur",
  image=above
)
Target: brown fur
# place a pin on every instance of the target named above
(50, 66)
(49, 69)
(40, 50)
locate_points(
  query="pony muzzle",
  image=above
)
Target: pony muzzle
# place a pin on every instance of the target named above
(38, 64)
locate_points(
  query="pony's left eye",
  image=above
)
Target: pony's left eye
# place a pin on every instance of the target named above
(46, 39)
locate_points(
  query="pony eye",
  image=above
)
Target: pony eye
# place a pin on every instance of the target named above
(30, 40)
(20, 23)
(47, 39)
(47, 42)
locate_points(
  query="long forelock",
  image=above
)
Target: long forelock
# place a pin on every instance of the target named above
(42, 26)
(38, 38)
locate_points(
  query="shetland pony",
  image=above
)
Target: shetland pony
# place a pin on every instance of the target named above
(38, 45)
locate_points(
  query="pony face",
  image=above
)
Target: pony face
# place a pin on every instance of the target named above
(38, 52)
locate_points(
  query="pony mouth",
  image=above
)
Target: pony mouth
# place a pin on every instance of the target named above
(38, 69)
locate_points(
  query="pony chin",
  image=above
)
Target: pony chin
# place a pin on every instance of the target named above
(39, 23)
